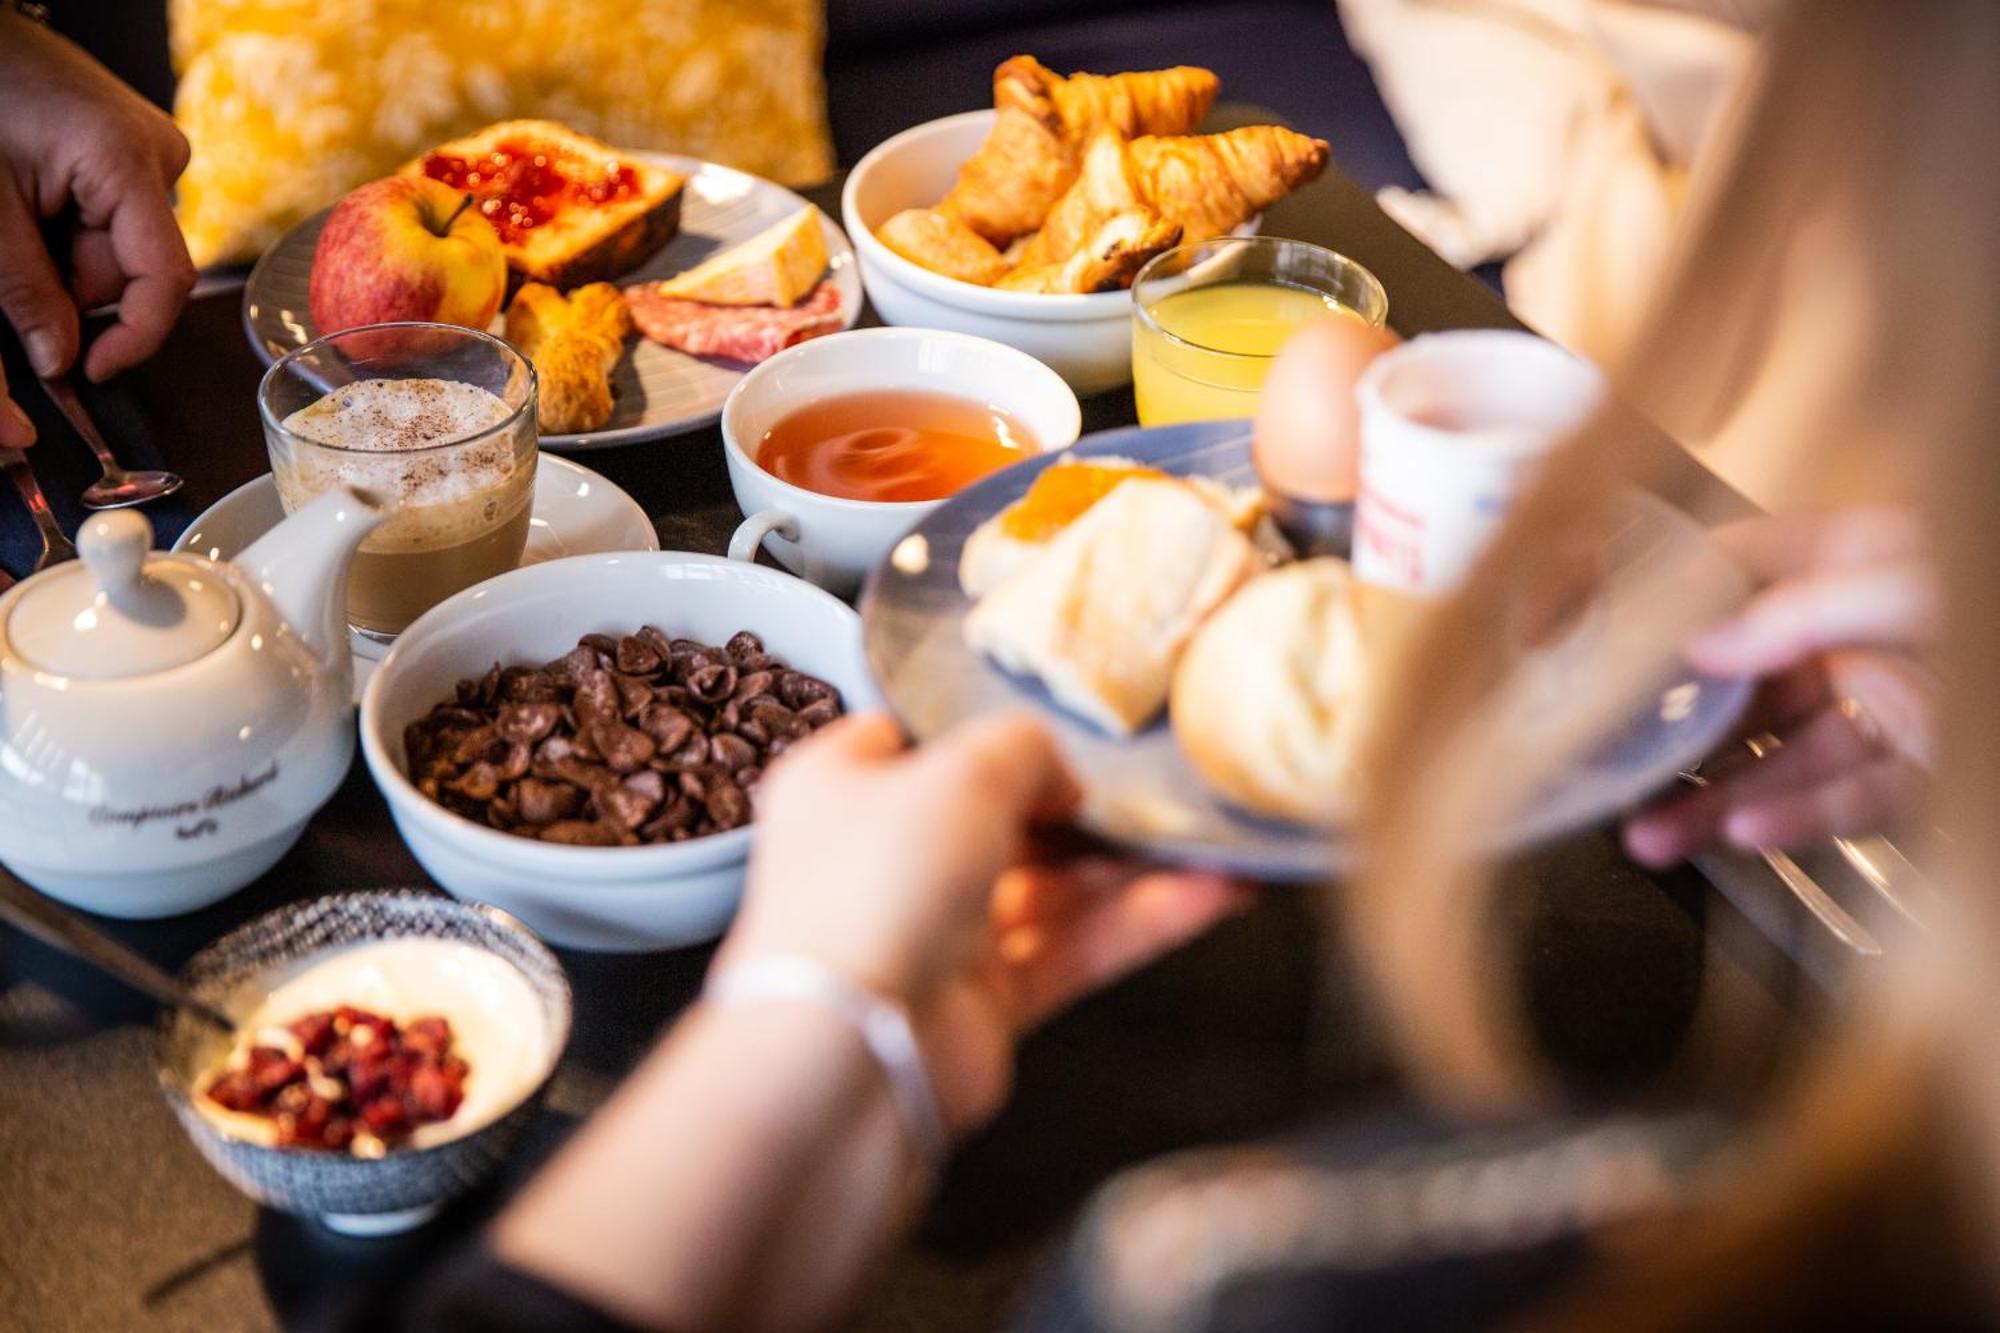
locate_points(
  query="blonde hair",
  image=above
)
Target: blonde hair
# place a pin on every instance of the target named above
(1868, 134)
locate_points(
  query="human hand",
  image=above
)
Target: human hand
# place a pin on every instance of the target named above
(912, 874)
(1838, 639)
(75, 140)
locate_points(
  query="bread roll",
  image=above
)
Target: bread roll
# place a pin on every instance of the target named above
(1269, 700)
(1101, 615)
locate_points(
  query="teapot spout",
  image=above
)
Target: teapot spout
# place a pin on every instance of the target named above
(302, 566)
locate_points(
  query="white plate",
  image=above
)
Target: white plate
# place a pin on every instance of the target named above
(577, 512)
(1142, 791)
(658, 391)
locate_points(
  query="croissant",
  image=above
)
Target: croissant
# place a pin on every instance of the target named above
(1103, 189)
(942, 244)
(1210, 183)
(1154, 101)
(574, 342)
(1030, 156)
(1107, 261)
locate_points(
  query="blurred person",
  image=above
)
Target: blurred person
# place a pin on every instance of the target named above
(781, 1136)
(84, 157)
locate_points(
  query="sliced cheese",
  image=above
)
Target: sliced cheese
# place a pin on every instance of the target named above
(777, 267)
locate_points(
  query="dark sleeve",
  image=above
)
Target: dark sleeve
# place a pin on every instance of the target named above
(472, 1291)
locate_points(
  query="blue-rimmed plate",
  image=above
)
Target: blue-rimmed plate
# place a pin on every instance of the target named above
(1141, 791)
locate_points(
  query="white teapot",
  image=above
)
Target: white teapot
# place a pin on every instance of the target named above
(169, 723)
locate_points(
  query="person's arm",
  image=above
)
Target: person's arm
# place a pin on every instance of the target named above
(1839, 638)
(750, 1170)
(75, 143)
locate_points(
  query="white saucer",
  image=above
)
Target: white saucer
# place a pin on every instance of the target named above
(577, 512)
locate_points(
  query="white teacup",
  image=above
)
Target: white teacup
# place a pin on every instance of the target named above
(1452, 428)
(834, 541)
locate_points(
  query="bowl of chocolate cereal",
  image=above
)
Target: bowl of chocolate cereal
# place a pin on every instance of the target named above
(580, 742)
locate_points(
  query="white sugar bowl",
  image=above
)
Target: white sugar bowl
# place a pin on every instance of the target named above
(169, 723)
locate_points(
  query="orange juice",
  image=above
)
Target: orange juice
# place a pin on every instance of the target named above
(1201, 353)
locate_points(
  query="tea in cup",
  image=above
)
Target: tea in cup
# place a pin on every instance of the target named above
(838, 446)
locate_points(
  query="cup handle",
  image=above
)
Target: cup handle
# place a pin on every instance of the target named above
(751, 532)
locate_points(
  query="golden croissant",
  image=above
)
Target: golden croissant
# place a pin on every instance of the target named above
(1204, 184)
(1030, 156)
(1107, 260)
(1211, 183)
(942, 244)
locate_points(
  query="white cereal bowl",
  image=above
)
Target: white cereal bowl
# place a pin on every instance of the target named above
(614, 899)
(1087, 339)
(834, 541)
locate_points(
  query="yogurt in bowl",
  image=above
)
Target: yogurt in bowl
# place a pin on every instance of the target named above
(390, 961)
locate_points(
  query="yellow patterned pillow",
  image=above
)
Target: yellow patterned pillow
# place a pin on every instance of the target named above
(288, 104)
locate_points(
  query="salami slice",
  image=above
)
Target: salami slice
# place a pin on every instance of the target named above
(735, 333)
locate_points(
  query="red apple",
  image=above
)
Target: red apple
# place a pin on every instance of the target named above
(406, 248)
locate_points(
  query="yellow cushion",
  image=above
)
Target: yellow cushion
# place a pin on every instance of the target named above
(288, 104)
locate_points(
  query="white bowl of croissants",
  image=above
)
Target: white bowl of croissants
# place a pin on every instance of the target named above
(1027, 223)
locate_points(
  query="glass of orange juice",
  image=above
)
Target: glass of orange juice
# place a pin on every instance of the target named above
(1208, 318)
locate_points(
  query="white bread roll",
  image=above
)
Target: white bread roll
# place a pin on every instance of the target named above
(1268, 701)
(993, 553)
(1101, 614)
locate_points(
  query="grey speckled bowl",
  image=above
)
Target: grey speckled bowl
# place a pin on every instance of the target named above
(359, 1196)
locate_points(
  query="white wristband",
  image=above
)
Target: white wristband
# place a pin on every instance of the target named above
(883, 1027)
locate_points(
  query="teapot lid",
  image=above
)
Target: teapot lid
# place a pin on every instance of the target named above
(122, 611)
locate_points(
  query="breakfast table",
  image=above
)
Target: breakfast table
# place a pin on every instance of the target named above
(113, 1221)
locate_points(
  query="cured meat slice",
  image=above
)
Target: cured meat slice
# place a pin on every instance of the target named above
(735, 333)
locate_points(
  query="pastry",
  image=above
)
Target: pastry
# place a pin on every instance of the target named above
(574, 342)
(776, 267)
(1101, 615)
(569, 210)
(1061, 494)
(1106, 262)
(1269, 700)
(1031, 155)
(1209, 184)
(942, 244)
(1205, 184)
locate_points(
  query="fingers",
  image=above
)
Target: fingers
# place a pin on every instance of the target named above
(146, 242)
(32, 296)
(1151, 916)
(1859, 801)
(1826, 780)
(858, 738)
(1891, 605)
(1011, 763)
(16, 431)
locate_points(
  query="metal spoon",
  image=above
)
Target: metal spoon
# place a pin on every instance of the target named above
(55, 547)
(117, 488)
(53, 924)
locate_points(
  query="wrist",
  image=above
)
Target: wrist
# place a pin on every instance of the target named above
(883, 1027)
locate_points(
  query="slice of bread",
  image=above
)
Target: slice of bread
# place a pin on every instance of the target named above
(569, 209)
(777, 266)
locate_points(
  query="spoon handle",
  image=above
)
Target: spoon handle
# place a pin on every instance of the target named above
(55, 546)
(56, 925)
(63, 394)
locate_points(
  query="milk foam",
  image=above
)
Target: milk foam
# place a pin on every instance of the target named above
(383, 435)
(496, 1020)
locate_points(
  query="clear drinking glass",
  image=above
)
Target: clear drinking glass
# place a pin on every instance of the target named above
(434, 420)
(1208, 319)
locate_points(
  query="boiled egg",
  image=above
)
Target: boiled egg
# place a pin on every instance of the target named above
(1307, 444)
